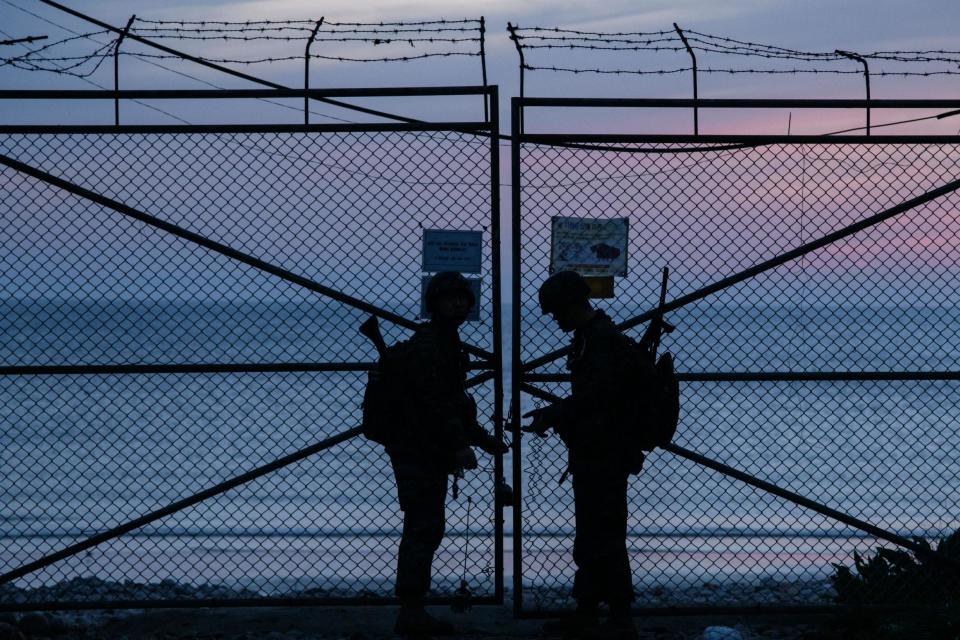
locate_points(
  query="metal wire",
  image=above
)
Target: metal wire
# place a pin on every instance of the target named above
(84, 452)
(881, 301)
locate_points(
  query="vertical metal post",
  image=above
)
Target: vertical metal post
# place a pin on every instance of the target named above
(116, 69)
(494, 120)
(693, 57)
(306, 71)
(516, 115)
(866, 76)
(516, 41)
(483, 69)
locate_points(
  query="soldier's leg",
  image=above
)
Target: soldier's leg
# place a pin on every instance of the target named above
(612, 525)
(422, 493)
(600, 546)
(611, 577)
(587, 581)
(616, 561)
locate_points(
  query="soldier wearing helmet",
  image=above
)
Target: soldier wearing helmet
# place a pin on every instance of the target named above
(436, 441)
(590, 424)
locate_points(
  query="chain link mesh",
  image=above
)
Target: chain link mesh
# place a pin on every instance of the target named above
(882, 300)
(85, 285)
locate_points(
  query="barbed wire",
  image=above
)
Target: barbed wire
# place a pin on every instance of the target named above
(417, 33)
(576, 70)
(648, 41)
(376, 41)
(601, 48)
(600, 33)
(405, 23)
(45, 47)
(751, 45)
(432, 34)
(531, 38)
(163, 56)
(648, 72)
(30, 61)
(218, 29)
(225, 22)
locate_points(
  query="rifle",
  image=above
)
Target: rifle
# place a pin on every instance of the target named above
(658, 326)
(370, 329)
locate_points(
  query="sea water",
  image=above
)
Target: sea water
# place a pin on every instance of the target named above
(80, 454)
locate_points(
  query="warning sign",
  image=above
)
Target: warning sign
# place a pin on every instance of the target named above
(452, 250)
(591, 247)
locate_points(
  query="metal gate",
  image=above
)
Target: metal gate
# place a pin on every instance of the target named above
(813, 284)
(180, 311)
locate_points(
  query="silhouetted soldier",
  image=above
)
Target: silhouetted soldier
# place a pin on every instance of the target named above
(591, 425)
(435, 442)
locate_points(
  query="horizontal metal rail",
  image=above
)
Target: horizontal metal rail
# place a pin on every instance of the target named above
(252, 367)
(780, 492)
(217, 247)
(741, 103)
(77, 605)
(456, 127)
(741, 141)
(779, 376)
(767, 265)
(189, 94)
(179, 505)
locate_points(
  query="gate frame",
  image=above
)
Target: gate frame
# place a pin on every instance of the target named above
(523, 373)
(491, 368)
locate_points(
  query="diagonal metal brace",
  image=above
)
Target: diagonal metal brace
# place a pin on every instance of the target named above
(780, 492)
(767, 265)
(220, 248)
(179, 505)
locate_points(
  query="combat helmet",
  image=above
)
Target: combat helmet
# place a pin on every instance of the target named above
(447, 282)
(563, 289)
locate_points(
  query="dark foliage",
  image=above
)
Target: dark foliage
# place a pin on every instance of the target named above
(895, 594)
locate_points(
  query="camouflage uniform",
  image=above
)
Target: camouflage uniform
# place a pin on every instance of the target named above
(591, 426)
(440, 419)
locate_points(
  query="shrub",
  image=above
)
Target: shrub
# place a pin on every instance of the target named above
(918, 594)
(897, 577)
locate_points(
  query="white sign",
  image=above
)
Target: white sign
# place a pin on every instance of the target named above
(591, 247)
(474, 314)
(452, 251)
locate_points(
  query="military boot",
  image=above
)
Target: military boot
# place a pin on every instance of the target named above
(619, 626)
(414, 622)
(576, 625)
(613, 629)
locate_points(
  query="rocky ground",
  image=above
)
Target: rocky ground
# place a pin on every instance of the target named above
(375, 622)
(359, 623)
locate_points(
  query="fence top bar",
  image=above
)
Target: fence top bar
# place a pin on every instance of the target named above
(740, 103)
(166, 94)
(245, 128)
(745, 139)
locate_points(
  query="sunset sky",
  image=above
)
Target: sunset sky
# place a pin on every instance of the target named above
(813, 26)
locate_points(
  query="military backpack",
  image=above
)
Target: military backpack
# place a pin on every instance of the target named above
(652, 394)
(385, 398)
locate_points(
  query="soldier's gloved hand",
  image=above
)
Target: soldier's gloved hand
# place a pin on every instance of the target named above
(492, 445)
(466, 459)
(544, 419)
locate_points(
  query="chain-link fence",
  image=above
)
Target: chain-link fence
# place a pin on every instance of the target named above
(141, 368)
(833, 375)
